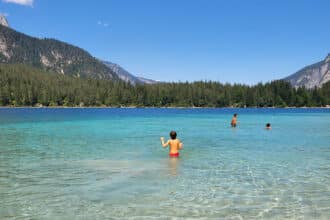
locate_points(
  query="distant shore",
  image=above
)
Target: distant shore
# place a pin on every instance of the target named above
(147, 107)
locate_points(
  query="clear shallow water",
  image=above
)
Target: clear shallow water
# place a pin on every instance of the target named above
(109, 164)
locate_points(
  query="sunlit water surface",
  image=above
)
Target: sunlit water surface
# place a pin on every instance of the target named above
(109, 164)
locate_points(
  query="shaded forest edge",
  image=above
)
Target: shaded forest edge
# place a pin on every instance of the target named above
(22, 85)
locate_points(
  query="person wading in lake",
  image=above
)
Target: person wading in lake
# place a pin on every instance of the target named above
(175, 144)
(234, 120)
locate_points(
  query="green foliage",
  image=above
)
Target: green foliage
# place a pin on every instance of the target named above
(22, 85)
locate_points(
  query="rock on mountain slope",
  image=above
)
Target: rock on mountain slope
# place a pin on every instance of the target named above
(49, 54)
(126, 76)
(148, 81)
(3, 21)
(310, 76)
(122, 73)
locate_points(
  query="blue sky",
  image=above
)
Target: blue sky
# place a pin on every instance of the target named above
(246, 41)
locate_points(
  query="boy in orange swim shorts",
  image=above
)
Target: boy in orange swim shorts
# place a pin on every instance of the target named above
(174, 143)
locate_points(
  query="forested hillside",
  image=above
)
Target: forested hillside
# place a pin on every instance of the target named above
(50, 54)
(21, 85)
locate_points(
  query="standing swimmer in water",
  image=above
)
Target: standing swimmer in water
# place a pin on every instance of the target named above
(234, 120)
(268, 126)
(175, 144)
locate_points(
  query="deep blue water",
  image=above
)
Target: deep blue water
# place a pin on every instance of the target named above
(108, 163)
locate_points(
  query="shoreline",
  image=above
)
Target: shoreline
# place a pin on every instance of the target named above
(145, 107)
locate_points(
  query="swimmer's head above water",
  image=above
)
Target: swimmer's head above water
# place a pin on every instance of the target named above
(173, 135)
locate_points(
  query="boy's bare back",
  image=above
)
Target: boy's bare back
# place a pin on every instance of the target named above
(175, 146)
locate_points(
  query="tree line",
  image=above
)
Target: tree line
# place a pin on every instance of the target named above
(22, 85)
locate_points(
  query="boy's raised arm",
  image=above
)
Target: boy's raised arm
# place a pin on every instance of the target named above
(163, 142)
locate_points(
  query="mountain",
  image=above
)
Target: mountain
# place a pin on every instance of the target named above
(49, 54)
(3, 21)
(127, 76)
(313, 75)
(57, 56)
(148, 81)
(122, 73)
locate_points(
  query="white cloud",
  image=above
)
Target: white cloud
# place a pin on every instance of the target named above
(20, 2)
(102, 24)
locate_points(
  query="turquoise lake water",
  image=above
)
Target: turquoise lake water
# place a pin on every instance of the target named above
(109, 164)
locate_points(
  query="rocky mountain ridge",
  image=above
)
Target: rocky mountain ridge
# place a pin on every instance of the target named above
(127, 76)
(4, 21)
(311, 76)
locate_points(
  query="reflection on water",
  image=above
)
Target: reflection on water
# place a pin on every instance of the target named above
(173, 164)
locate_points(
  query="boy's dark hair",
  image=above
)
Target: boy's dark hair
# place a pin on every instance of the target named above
(235, 114)
(268, 125)
(173, 135)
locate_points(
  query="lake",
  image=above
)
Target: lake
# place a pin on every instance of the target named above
(97, 163)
